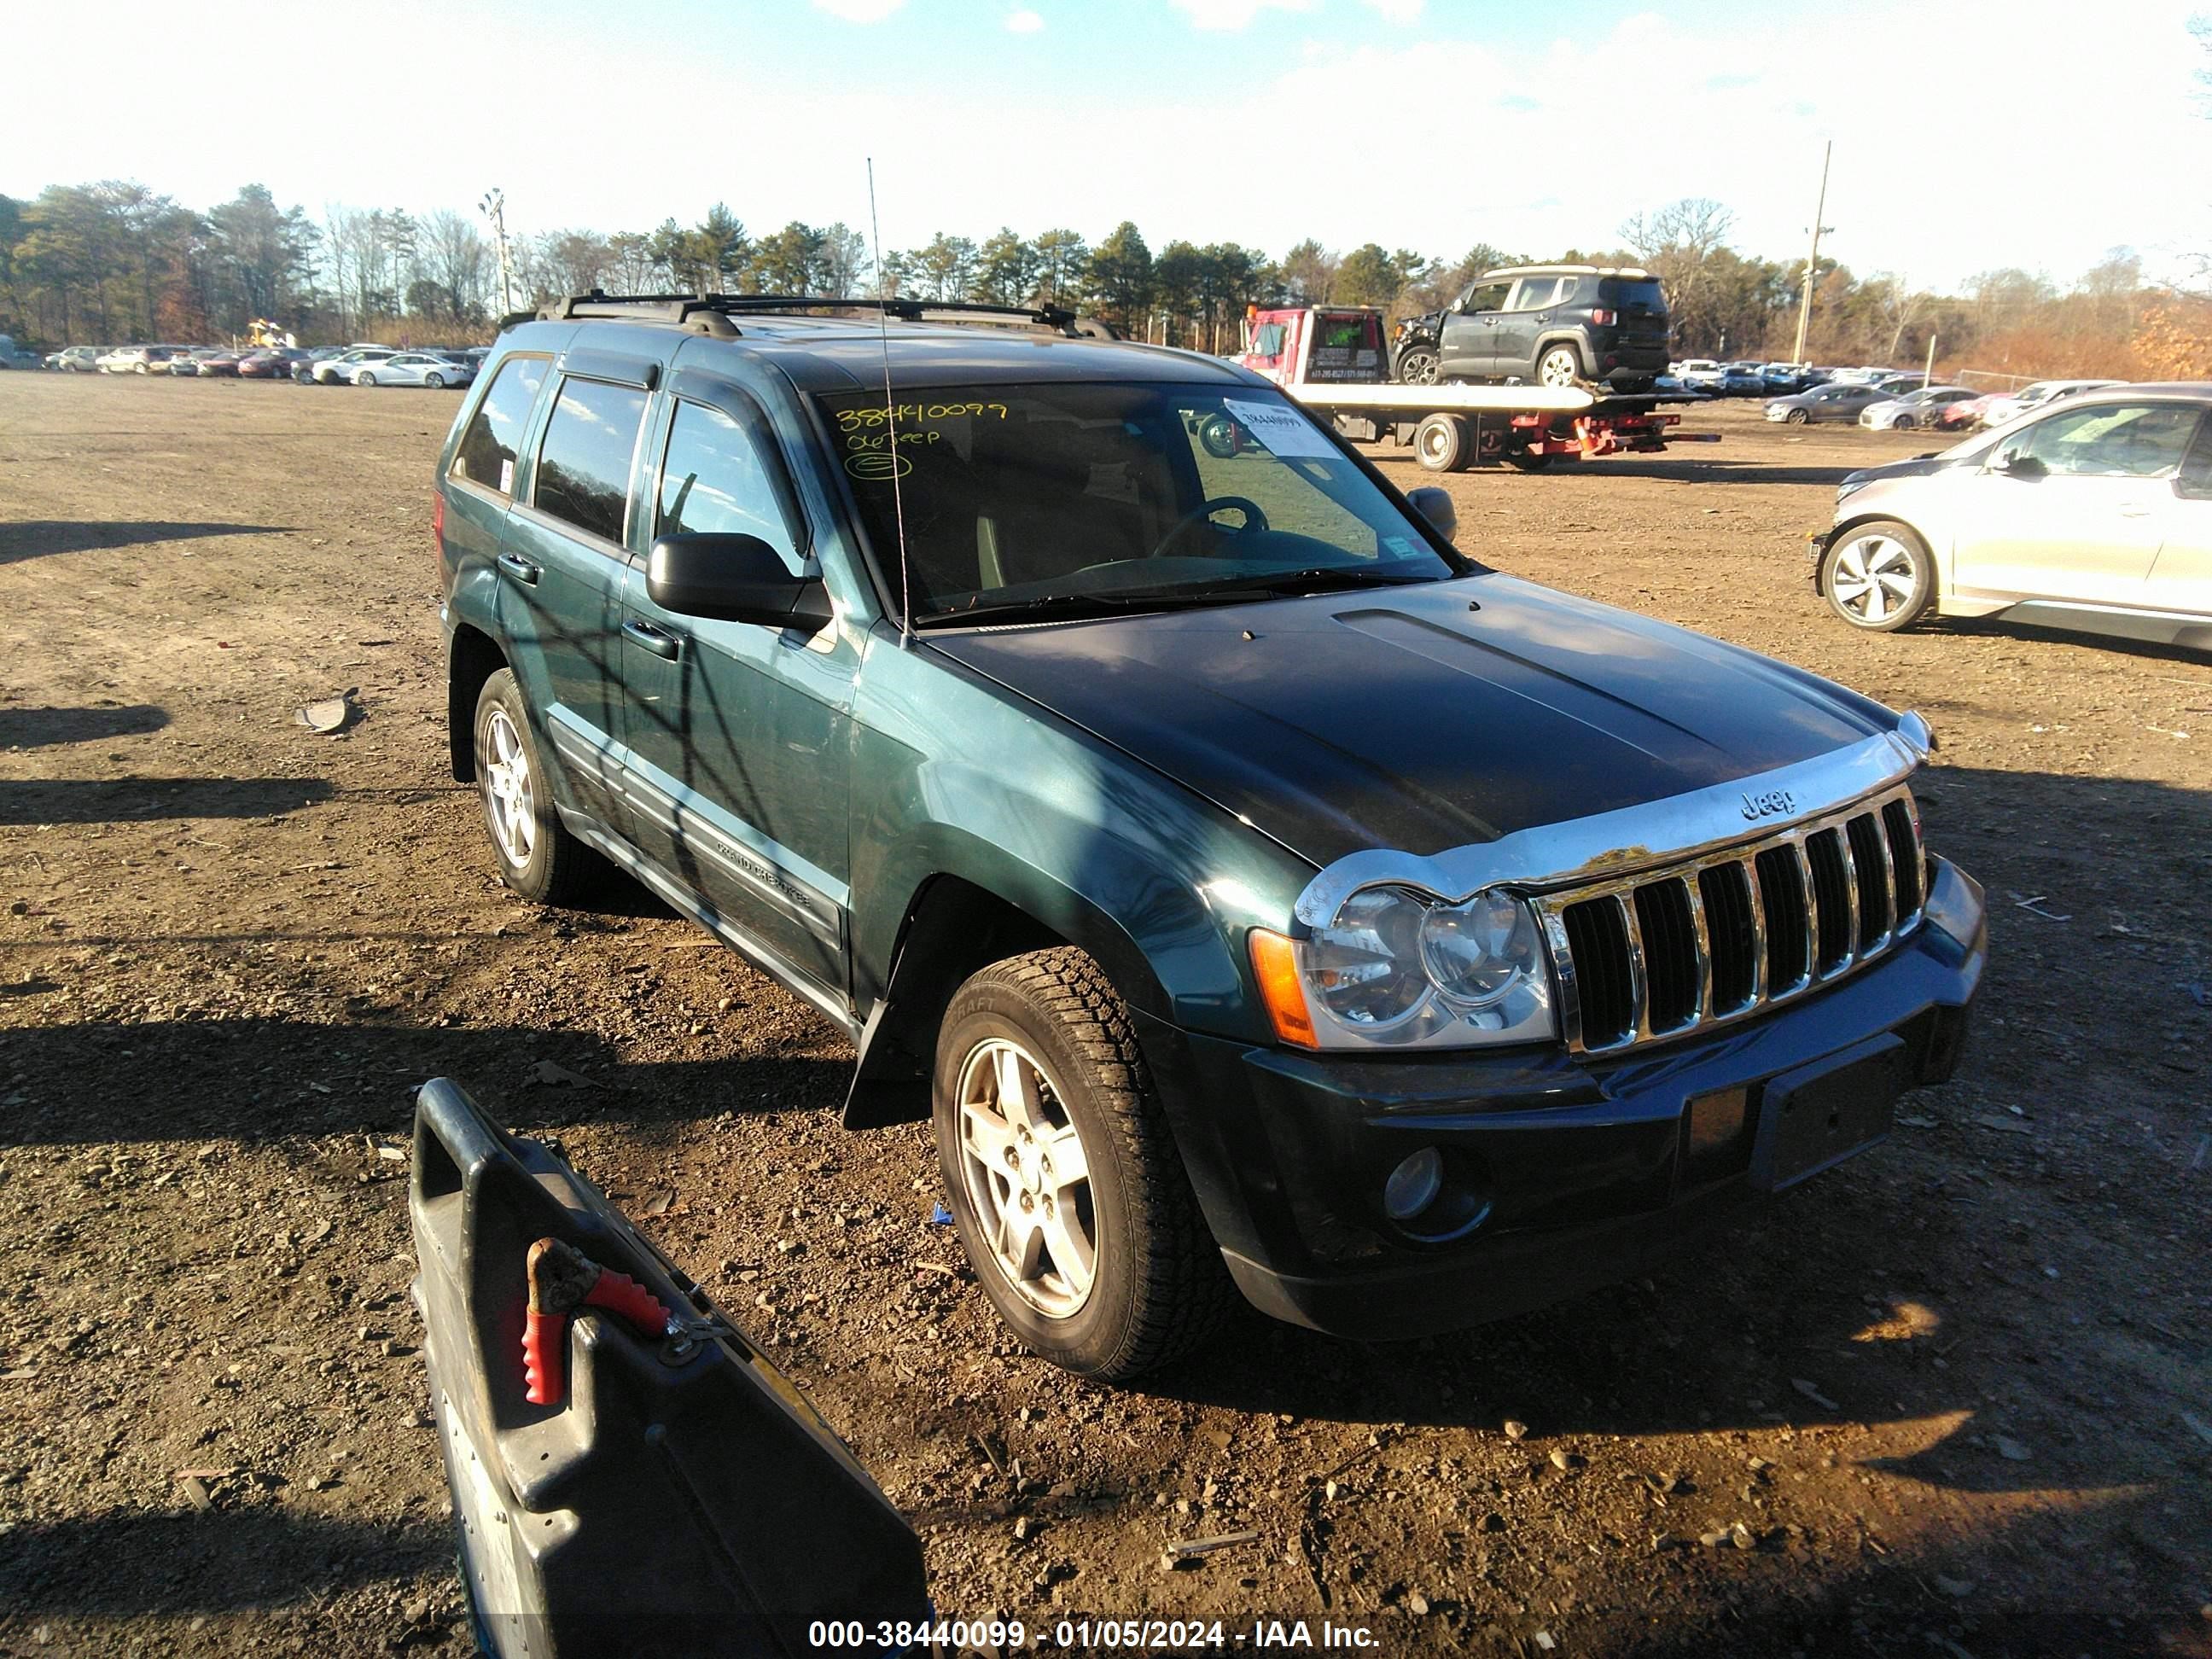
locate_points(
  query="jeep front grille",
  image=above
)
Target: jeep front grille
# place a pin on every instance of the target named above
(1719, 936)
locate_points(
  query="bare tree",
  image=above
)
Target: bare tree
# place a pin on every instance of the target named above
(1678, 244)
(456, 257)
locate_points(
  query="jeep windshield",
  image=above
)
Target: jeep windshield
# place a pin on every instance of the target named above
(1080, 499)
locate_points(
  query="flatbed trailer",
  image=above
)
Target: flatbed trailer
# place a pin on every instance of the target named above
(1329, 358)
(1452, 427)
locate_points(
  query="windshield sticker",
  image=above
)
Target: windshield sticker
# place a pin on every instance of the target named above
(507, 477)
(1281, 431)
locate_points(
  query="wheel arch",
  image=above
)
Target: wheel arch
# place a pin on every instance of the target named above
(471, 658)
(954, 925)
(1566, 337)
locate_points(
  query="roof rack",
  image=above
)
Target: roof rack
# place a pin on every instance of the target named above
(710, 313)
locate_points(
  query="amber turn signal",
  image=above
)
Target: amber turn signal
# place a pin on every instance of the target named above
(1275, 965)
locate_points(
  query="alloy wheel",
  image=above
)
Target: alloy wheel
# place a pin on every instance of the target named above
(1874, 577)
(1418, 369)
(1558, 369)
(507, 793)
(1028, 1178)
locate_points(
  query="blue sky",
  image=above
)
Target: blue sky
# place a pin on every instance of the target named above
(1968, 134)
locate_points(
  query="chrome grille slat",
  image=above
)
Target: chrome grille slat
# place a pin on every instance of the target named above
(1647, 958)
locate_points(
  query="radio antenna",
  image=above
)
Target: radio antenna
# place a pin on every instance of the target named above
(891, 411)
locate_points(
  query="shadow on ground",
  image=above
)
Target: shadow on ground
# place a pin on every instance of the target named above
(31, 539)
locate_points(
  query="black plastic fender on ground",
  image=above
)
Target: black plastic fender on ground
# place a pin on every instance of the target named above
(682, 1499)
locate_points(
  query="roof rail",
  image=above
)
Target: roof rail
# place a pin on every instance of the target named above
(710, 313)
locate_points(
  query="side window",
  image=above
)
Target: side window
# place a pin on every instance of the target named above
(583, 465)
(715, 479)
(1535, 293)
(2124, 440)
(2194, 481)
(1268, 341)
(1486, 297)
(488, 447)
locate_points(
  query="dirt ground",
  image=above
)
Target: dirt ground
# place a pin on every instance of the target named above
(1954, 1399)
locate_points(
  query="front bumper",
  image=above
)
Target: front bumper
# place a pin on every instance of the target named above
(1590, 1171)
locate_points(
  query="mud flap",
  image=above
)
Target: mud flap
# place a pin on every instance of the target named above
(682, 1497)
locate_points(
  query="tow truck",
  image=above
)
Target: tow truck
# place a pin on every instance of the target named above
(1331, 358)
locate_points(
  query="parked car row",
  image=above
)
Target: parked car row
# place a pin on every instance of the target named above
(356, 365)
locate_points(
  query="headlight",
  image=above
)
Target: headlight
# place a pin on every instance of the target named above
(1397, 968)
(1850, 486)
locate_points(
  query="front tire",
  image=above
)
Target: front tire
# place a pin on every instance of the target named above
(1559, 366)
(1879, 577)
(1797, 417)
(538, 857)
(1903, 423)
(1064, 1180)
(1417, 368)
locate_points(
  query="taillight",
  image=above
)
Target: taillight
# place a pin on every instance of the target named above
(1603, 318)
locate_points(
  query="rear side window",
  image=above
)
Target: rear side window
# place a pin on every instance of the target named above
(488, 448)
(715, 481)
(1535, 293)
(583, 466)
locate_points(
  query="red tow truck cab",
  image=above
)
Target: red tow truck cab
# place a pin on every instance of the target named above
(1308, 345)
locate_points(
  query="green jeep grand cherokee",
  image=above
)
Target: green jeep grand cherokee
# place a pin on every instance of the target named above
(1255, 891)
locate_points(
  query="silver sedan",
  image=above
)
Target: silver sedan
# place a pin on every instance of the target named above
(428, 368)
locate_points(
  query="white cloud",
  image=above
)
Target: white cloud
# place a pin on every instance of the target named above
(1023, 21)
(1231, 14)
(860, 11)
(1400, 11)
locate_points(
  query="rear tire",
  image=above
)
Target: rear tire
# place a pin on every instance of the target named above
(1443, 443)
(435, 381)
(1038, 1057)
(537, 856)
(364, 379)
(1528, 460)
(1879, 577)
(1559, 366)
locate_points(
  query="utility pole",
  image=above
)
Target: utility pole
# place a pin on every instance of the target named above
(1930, 379)
(1813, 263)
(493, 208)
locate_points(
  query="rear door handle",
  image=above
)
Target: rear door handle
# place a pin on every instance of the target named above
(657, 640)
(520, 569)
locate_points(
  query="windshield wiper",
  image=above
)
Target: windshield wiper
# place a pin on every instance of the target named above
(1047, 607)
(1314, 579)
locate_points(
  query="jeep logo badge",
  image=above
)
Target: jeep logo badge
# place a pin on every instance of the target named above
(1766, 806)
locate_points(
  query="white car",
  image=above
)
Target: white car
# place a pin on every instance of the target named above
(434, 369)
(138, 360)
(341, 370)
(1700, 375)
(1915, 408)
(2001, 409)
(2092, 512)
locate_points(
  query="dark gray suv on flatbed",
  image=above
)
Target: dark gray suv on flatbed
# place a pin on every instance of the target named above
(1543, 324)
(1254, 890)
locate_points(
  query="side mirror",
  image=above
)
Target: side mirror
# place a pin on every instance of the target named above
(733, 578)
(2014, 465)
(1434, 503)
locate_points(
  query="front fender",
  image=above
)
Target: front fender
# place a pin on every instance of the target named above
(956, 777)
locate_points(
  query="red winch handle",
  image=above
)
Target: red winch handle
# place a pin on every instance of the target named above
(563, 1280)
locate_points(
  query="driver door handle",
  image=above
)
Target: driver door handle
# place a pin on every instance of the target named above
(519, 568)
(646, 637)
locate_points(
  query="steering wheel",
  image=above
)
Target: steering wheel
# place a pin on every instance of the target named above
(1255, 520)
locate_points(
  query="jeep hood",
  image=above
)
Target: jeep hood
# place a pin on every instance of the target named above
(1425, 717)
